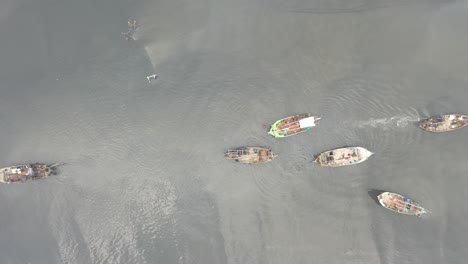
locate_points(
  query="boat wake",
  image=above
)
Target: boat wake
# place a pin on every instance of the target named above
(372, 109)
(385, 123)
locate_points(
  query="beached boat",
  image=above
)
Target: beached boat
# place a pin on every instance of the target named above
(343, 156)
(250, 155)
(26, 172)
(293, 125)
(444, 123)
(400, 204)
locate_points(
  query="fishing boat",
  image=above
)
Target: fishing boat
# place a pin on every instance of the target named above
(444, 123)
(400, 204)
(293, 125)
(250, 155)
(27, 172)
(343, 156)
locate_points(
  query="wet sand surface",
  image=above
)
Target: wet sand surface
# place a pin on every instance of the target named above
(145, 179)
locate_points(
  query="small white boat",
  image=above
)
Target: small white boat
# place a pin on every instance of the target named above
(400, 204)
(343, 156)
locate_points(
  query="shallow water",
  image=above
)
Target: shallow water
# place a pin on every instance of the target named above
(145, 180)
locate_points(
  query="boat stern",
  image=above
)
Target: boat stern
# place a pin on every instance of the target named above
(424, 123)
(274, 133)
(273, 155)
(231, 154)
(274, 130)
(319, 161)
(271, 132)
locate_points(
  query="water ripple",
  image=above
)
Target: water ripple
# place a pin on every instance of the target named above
(372, 112)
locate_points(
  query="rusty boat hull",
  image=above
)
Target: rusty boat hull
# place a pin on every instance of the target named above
(250, 155)
(27, 172)
(444, 123)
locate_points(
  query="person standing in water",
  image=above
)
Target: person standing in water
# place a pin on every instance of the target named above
(151, 78)
(132, 26)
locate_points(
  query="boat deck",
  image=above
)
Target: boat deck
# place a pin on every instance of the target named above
(400, 204)
(22, 173)
(250, 155)
(444, 123)
(341, 157)
(289, 126)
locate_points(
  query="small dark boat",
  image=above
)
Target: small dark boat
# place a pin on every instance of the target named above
(444, 123)
(250, 155)
(400, 204)
(26, 172)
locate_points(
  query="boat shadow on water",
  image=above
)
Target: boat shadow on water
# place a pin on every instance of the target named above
(373, 193)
